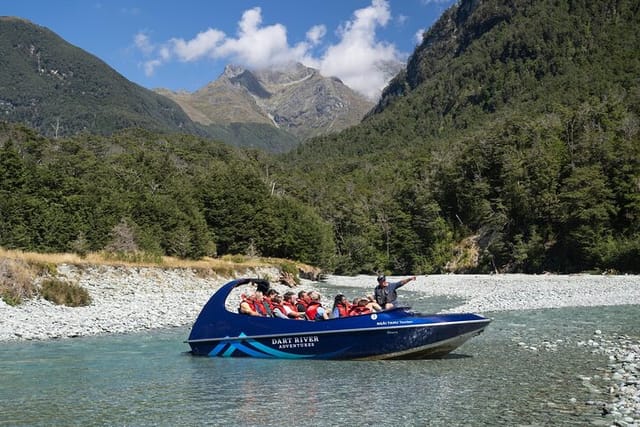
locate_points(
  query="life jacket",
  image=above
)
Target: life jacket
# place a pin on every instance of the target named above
(269, 302)
(357, 310)
(292, 307)
(263, 308)
(343, 309)
(312, 310)
(249, 301)
(279, 307)
(302, 305)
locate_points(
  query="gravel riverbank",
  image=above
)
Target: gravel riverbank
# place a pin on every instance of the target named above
(127, 299)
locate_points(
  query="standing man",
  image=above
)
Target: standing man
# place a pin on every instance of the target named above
(385, 293)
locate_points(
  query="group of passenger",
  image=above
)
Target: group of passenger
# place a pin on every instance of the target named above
(307, 305)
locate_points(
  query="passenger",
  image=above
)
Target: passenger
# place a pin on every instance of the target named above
(303, 301)
(289, 304)
(341, 307)
(261, 305)
(247, 306)
(385, 293)
(269, 296)
(279, 310)
(372, 304)
(315, 310)
(360, 306)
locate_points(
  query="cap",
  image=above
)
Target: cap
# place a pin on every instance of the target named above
(381, 278)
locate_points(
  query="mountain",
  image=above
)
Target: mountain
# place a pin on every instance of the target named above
(59, 89)
(510, 143)
(295, 99)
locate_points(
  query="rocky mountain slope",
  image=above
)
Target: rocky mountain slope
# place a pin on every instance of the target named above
(296, 99)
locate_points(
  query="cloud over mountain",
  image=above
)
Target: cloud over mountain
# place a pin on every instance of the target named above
(357, 58)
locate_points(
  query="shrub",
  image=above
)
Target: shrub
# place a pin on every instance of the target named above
(16, 281)
(63, 293)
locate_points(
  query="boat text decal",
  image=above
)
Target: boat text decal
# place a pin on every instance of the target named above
(394, 322)
(295, 342)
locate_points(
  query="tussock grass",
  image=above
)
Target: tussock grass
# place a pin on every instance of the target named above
(217, 265)
(63, 293)
(16, 281)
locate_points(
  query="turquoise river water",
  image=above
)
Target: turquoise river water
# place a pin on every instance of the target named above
(149, 378)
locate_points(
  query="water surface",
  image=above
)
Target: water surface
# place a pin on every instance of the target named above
(149, 379)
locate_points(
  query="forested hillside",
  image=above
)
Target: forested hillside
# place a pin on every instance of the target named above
(60, 90)
(510, 143)
(143, 192)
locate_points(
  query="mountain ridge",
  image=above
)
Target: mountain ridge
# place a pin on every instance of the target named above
(295, 98)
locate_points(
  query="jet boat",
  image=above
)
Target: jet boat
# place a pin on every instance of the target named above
(397, 333)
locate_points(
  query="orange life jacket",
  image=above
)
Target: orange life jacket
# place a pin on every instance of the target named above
(279, 307)
(250, 302)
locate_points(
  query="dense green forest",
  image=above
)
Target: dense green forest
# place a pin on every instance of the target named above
(141, 191)
(510, 143)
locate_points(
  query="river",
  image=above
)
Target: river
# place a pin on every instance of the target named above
(530, 367)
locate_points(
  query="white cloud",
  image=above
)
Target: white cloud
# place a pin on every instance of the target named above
(142, 42)
(150, 66)
(418, 35)
(255, 46)
(316, 33)
(200, 46)
(357, 58)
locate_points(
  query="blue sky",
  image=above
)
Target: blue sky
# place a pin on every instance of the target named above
(183, 45)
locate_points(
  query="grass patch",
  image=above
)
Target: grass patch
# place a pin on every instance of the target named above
(16, 281)
(63, 293)
(135, 257)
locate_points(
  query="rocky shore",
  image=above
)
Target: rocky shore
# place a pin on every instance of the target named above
(124, 299)
(128, 299)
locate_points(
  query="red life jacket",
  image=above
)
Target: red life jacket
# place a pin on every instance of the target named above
(357, 310)
(250, 302)
(312, 310)
(343, 309)
(268, 301)
(279, 307)
(303, 303)
(292, 307)
(262, 308)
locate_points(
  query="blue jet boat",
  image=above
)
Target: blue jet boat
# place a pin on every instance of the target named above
(397, 333)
